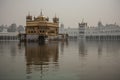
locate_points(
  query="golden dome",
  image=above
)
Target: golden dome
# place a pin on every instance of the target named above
(41, 17)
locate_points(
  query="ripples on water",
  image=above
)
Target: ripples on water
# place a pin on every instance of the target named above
(71, 60)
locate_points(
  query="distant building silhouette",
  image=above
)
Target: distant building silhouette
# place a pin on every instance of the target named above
(102, 32)
(12, 28)
(10, 33)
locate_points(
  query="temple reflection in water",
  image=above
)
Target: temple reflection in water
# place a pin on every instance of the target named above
(41, 57)
(82, 48)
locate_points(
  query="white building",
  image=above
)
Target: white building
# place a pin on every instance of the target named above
(72, 32)
(8, 36)
(10, 33)
(109, 31)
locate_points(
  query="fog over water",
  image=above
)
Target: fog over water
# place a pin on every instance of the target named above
(70, 12)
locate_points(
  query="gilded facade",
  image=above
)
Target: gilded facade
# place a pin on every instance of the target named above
(41, 27)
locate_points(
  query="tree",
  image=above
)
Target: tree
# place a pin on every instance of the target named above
(12, 28)
(20, 28)
(1, 28)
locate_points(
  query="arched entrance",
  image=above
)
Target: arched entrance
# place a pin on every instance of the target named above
(41, 39)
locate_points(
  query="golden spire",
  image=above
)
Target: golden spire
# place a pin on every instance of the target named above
(55, 15)
(29, 13)
(83, 20)
(41, 14)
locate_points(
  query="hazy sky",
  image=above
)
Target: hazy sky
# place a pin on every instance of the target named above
(70, 12)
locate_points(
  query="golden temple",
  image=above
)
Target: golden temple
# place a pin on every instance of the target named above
(40, 27)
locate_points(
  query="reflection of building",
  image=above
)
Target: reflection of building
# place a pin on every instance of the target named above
(9, 47)
(62, 45)
(39, 57)
(82, 48)
(40, 27)
(100, 48)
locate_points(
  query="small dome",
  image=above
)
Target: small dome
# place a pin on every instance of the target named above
(41, 17)
(47, 19)
(28, 16)
(56, 19)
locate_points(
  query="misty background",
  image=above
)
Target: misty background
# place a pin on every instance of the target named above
(70, 12)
